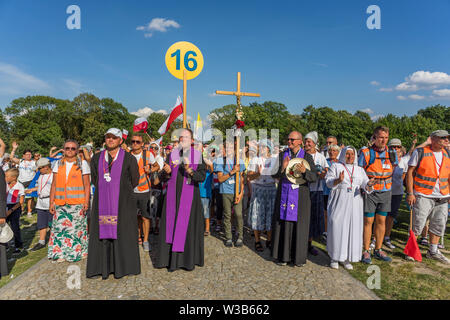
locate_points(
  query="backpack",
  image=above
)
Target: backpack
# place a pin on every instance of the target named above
(372, 158)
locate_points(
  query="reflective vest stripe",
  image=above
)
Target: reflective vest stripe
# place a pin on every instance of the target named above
(426, 186)
(425, 178)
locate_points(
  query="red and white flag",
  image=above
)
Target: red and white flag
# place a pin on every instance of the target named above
(176, 112)
(124, 134)
(140, 124)
(159, 141)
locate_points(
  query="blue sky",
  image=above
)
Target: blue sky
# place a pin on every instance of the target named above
(294, 52)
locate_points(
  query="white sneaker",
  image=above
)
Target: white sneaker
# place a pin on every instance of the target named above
(334, 264)
(438, 256)
(348, 265)
(372, 244)
(29, 214)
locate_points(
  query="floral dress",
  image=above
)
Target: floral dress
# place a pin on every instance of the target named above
(68, 238)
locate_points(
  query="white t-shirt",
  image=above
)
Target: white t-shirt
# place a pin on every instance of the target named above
(85, 169)
(44, 185)
(138, 158)
(439, 159)
(14, 193)
(27, 170)
(269, 167)
(397, 181)
(319, 160)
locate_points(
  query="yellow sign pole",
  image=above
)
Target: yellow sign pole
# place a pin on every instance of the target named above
(184, 99)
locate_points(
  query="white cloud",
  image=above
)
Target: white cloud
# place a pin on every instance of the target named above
(145, 112)
(321, 65)
(157, 25)
(444, 93)
(416, 97)
(213, 94)
(14, 81)
(424, 80)
(375, 83)
(406, 86)
(367, 110)
(386, 89)
(401, 98)
(376, 117)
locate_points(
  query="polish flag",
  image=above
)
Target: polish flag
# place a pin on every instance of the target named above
(176, 112)
(124, 134)
(140, 124)
(159, 141)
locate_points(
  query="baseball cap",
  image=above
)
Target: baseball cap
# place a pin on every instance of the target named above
(395, 142)
(114, 131)
(169, 147)
(42, 162)
(440, 133)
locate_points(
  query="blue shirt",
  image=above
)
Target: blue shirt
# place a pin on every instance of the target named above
(385, 155)
(205, 186)
(229, 185)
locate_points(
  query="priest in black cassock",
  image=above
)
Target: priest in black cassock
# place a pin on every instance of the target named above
(113, 235)
(181, 243)
(290, 221)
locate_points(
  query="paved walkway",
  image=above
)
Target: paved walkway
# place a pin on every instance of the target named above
(229, 273)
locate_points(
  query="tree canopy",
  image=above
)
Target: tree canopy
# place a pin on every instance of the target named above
(40, 122)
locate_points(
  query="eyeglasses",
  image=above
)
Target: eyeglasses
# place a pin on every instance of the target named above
(136, 141)
(445, 138)
(70, 149)
(156, 148)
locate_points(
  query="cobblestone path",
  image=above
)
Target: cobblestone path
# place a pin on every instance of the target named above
(229, 273)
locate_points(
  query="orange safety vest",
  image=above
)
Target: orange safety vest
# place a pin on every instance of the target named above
(426, 174)
(71, 191)
(382, 175)
(144, 181)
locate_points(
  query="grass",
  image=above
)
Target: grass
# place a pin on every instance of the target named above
(26, 259)
(404, 280)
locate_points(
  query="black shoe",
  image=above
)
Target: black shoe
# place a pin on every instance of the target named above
(38, 246)
(313, 251)
(17, 251)
(239, 243)
(228, 243)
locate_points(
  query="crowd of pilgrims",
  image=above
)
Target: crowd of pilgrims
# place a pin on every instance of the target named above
(104, 203)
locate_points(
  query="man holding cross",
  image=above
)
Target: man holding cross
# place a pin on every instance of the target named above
(290, 226)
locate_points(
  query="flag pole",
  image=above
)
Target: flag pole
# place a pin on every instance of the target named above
(184, 98)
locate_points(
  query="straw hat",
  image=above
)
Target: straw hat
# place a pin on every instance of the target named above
(290, 170)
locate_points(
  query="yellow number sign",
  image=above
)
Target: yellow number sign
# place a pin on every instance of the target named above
(184, 56)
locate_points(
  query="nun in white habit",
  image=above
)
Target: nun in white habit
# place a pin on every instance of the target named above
(345, 209)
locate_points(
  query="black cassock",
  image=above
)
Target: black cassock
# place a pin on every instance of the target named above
(120, 256)
(290, 238)
(194, 246)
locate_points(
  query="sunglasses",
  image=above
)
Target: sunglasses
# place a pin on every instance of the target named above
(70, 149)
(292, 139)
(136, 141)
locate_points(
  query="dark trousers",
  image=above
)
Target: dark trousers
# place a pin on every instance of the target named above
(14, 221)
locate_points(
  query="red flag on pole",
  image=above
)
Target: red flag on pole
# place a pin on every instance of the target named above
(140, 124)
(124, 134)
(174, 114)
(412, 248)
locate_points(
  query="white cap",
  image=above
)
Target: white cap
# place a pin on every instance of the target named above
(313, 136)
(114, 131)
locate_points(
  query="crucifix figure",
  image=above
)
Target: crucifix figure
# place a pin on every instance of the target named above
(239, 115)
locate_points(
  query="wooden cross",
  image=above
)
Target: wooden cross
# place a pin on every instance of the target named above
(238, 95)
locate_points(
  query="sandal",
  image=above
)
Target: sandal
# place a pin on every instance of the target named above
(258, 246)
(206, 233)
(140, 241)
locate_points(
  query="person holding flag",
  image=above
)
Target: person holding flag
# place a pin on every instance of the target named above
(428, 191)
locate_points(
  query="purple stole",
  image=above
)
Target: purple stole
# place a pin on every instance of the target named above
(176, 233)
(289, 196)
(108, 196)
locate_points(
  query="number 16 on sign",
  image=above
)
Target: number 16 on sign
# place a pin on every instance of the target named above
(185, 62)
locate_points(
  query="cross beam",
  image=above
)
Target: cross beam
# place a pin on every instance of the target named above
(238, 95)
